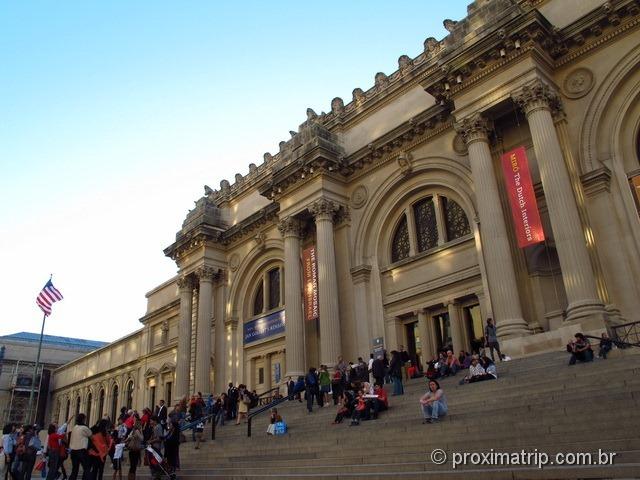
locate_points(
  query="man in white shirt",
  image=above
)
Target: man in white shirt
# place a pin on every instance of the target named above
(78, 445)
(370, 368)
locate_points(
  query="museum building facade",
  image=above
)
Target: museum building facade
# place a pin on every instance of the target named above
(388, 220)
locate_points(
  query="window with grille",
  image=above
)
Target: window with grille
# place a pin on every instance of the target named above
(400, 243)
(424, 213)
(428, 214)
(457, 224)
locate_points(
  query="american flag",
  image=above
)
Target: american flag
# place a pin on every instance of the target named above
(47, 297)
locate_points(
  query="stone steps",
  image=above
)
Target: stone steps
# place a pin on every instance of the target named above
(533, 405)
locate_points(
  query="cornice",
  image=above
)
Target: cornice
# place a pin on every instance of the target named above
(522, 30)
(253, 222)
(204, 235)
(400, 140)
(160, 311)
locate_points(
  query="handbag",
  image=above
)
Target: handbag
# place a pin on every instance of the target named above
(40, 465)
(280, 428)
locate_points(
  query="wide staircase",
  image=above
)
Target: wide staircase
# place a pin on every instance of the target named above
(539, 404)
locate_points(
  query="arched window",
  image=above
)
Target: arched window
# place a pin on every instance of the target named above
(267, 293)
(67, 410)
(457, 224)
(78, 405)
(114, 404)
(274, 288)
(258, 300)
(424, 213)
(130, 394)
(89, 400)
(400, 242)
(437, 220)
(101, 403)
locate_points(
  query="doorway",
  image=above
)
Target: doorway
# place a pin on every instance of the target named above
(414, 344)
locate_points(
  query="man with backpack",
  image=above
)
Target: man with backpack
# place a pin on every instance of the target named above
(27, 447)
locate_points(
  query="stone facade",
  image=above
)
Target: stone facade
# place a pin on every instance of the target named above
(401, 193)
(18, 354)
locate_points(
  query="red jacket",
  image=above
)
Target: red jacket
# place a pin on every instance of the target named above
(382, 396)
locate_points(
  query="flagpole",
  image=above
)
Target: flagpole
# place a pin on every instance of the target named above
(35, 373)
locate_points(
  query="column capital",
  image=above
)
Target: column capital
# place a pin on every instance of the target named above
(206, 273)
(537, 95)
(185, 283)
(290, 227)
(474, 128)
(324, 209)
(231, 322)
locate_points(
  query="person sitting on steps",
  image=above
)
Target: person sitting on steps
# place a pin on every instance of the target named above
(580, 349)
(359, 411)
(606, 344)
(433, 403)
(450, 366)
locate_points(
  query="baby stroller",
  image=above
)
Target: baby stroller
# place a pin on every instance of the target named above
(158, 465)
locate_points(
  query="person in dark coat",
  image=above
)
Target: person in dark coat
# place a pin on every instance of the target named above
(172, 447)
(395, 371)
(312, 387)
(377, 370)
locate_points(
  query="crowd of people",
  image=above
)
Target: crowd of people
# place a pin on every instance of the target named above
(356, 390)
(88, 448)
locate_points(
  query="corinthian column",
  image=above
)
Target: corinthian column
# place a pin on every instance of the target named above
(203, 337)
(293, 321)
(537, 99)
(183, 360)
(493, 231)
(330, 344)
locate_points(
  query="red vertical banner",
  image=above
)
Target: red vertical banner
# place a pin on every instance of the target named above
(310, 283)
(522, 198)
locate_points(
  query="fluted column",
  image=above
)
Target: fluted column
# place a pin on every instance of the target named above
(251, 377)
(183, 359)
(493, 230)
(219, 353)
(537, 100)
(330, 344)
(425, 337)
(294, 322)
(267, 372)
(456, 328)
(203, 337)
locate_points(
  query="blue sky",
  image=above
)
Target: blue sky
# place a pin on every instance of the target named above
(114, 114)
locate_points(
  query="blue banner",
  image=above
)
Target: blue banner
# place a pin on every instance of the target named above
(264, 327)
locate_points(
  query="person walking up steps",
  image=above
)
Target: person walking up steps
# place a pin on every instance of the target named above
(491, 339)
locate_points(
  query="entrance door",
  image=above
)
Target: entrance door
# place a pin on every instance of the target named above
(443, 331)
(473, 326)
(414, 344)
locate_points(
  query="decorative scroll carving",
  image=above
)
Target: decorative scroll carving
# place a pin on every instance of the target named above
(290, 226)
(535, 96)
(359, 197)
(206, 273)
(474, 128)
(185, 283)
(404, 161)
(323, 209)
(578, 83)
